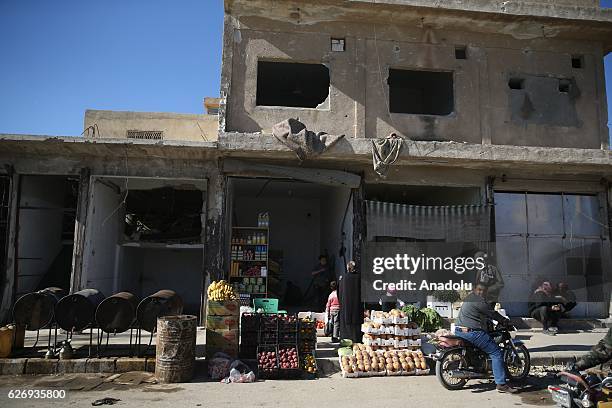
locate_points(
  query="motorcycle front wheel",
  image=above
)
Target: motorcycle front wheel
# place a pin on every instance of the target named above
(517, 362)
(451, 361)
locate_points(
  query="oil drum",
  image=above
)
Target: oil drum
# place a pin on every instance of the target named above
(163, 303)
(116, 313)
(34, 311)
(175, 348)
(76, 311)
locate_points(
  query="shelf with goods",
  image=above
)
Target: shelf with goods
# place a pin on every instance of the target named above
(249, 261)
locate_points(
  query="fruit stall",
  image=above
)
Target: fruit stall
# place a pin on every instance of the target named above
(391, 347)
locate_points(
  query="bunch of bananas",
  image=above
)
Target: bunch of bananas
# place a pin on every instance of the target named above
(220, 291)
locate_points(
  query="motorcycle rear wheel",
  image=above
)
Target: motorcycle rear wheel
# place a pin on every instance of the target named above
(514, 371)
(450, 361)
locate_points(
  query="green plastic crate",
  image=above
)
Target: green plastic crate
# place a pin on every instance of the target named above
(268, 305)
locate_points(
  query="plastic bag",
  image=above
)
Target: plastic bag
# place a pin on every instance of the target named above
(219, 366)
(239, 373)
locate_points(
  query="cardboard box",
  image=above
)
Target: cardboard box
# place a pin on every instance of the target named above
(222, 338)
(225, 308)
(222, 322)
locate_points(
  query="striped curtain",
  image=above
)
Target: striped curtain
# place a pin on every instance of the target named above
(448, 223)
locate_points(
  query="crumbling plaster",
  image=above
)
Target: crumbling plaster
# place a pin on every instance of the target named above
(359, 92)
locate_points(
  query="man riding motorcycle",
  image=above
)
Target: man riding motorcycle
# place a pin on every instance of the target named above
(472, 326)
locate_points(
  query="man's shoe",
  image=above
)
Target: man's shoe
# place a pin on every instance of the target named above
(506, 389)
(549, 332)
(554, 329)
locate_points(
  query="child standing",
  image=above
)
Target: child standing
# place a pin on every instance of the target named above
(332, 308)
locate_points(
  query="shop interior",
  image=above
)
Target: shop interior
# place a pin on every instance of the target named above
(147, 236)
(45, 239)
(304, 220)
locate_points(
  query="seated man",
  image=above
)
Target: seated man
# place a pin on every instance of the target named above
(472, 326)
(566, 296)
(545, 308)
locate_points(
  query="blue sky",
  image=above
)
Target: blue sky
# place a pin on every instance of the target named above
(58, 58)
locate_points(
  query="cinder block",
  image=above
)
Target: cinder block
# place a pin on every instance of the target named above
(74, 366)
(101, 365)
(41, 366)
(150, 364)
(12, 366)
(125, 364)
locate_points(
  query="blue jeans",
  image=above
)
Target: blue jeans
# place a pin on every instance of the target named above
(483, 341)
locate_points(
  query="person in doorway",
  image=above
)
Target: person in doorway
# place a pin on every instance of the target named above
(567, 296)
(349, 295)
(545, 308)
(490, 277)
(472, 326)
(332, 309)
(320, 282)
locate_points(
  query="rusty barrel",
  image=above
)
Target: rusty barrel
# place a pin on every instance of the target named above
(162, 303)
(35, 310)
(116, 313)
(76, 311)
(175, 351)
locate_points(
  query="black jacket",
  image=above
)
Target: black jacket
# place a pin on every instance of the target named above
(539, 299)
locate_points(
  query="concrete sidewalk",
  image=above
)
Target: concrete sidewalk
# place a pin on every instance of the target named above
(545, 350)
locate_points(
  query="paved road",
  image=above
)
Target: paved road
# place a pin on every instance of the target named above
(327, 392)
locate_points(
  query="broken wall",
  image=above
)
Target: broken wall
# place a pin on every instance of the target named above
(484, 110)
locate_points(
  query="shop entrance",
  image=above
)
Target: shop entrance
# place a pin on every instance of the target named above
(45, 238)
(145, 235)
(299, 221)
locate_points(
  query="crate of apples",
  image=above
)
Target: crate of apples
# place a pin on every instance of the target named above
(267, 362)
(288, 358)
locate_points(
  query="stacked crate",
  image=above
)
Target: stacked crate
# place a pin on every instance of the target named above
(222, 323)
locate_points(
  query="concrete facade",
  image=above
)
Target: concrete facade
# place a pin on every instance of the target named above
(548, 134)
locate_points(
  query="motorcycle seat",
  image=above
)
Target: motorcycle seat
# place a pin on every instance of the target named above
(450, 341)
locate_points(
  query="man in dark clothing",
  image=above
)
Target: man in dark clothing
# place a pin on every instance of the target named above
(566, 296)
(599, 354)
(351, 312)
(491, 278)
(472, 326)
(545, 308)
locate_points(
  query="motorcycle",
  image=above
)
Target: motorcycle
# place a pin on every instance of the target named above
(458, 361)
(582, 390)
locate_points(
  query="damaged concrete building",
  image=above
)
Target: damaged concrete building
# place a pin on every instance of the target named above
(435, 115)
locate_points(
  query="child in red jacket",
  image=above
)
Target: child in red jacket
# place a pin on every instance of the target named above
(332, 308)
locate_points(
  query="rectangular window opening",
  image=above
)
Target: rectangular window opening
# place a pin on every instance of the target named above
(577, 61)
(564, 85)
(145, 134)
(460, 52)
(338, 44)
(516, 83)
(290, 84)
(421, 92)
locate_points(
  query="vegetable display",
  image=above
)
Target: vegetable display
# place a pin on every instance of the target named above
(428, 319)
(366, 362)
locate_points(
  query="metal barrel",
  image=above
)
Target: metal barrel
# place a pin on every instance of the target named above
(34, 311)
(116, 313)
(175, 348)
(76, 311)
(163, 303)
